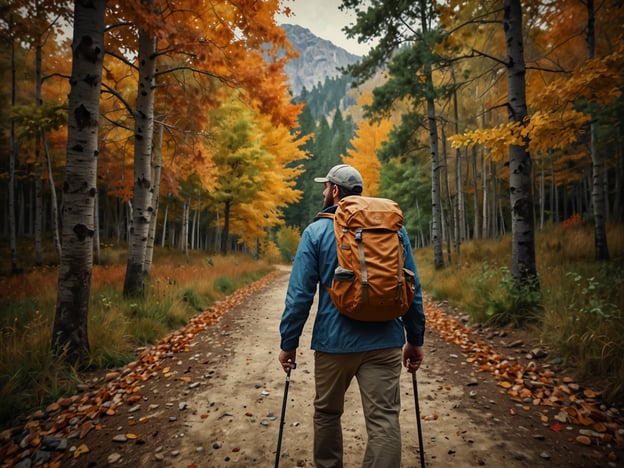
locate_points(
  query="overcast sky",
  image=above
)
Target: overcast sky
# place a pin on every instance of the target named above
(325, 20)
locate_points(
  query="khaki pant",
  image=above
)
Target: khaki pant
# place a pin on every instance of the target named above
(377, 373)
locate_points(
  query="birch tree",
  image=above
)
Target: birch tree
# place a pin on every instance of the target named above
(598, 192)
(523, 267)
(143, 181)
(74, 283)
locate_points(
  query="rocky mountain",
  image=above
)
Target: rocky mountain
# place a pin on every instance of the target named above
(318, 59)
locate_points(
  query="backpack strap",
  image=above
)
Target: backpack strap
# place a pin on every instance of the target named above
(327, 216)
(401, 264)
(358, 239)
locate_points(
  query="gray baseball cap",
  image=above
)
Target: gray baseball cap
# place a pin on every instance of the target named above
(345, 176)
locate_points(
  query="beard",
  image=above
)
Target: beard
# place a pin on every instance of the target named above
(328, 200)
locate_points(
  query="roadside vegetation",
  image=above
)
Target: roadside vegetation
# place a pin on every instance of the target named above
(577, 315)
(179, 287)
(578, 312)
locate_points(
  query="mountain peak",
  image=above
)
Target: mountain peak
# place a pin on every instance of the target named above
(318, 58)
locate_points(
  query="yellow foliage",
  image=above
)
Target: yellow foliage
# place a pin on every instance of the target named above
(541, 132)
(271, 252)
(368, 139)
(253, 219)
(598, 80)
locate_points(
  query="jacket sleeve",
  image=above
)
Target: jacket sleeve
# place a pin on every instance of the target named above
(300, 294)
(414, 320)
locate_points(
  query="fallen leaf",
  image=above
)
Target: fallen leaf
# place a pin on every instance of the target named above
(556, 427)
(600, 427)
(591, 394)
(82, 449)
(85, 429)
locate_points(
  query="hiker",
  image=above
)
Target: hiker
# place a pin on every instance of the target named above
(344, 348)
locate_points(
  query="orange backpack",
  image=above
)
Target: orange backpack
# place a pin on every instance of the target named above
(370, 282)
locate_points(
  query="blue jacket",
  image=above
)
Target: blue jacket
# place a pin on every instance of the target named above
(333, 332)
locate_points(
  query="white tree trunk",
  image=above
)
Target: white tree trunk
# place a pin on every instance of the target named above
(523, 266)
(598, 192)
(79, 189)
(156, 170)
(53, 199)
(143, 184)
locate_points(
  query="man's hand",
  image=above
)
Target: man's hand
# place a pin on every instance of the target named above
(286, 358)
(412, 357)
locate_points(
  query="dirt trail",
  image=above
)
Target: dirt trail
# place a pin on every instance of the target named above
(218, 405)
(247, 391)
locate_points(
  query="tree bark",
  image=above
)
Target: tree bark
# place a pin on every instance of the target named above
(143, 185)
(598, 192)
(225, 233)
(436, 227)
(96, 229)
(74, 284)
(164, 229)
(485, 207)
(12, 160)
(523, 266)
(156, 170)
(450, 223)
(618, 205)
(39, 167)
(459, 188)
(53, 199)
(475, 196)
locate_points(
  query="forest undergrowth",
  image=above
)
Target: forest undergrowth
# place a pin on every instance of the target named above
(179, 287)
(577, 312)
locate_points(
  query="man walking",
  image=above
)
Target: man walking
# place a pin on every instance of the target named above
(344, 348)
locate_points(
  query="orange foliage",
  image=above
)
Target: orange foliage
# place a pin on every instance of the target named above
(369, 138)
(572, 221)
(201, 46)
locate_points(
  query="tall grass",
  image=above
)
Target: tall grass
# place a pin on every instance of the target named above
(178, 288)
(578, 312)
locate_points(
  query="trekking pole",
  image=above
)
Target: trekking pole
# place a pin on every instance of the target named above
(292, 366)
(420, 438)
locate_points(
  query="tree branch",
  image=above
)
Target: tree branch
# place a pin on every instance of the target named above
(491, 57)
(120, 97)
(117, 124)
(122, 59)
(194, 70)
(60, 75)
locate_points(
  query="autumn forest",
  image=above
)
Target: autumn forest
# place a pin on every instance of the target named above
(170, 124)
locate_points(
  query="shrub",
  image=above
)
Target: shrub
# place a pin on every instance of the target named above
(288, 238)
(578, 312)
